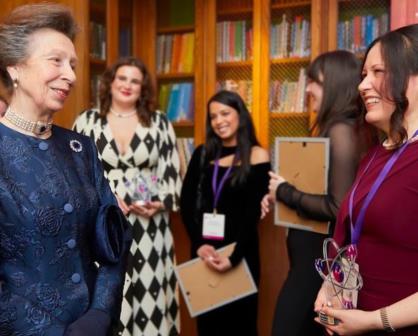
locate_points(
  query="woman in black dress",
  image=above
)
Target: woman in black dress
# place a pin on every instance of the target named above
(333, 78)
(232, 163)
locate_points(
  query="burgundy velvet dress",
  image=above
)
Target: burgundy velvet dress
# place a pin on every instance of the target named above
(388, 244)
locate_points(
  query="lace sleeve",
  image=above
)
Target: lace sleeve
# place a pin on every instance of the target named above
(344, 158)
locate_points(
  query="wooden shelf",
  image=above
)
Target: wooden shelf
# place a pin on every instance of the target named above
(290, 5)
(177, 75)
(235, 11)
(289, 115)
(97, 62)
(183, 123)
(238, 64)
(175, 29)
(290, 60)
(377, 3)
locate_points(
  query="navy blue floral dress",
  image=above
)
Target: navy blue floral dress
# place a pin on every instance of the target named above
(52, 198)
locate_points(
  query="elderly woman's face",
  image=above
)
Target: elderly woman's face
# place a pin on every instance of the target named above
(46, 77)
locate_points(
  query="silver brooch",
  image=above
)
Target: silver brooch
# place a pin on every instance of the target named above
(76, 146)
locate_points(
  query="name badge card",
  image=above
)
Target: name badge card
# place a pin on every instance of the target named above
(213, 226)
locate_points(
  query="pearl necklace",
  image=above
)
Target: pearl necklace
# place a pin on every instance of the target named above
(123, 115)
(35, 127)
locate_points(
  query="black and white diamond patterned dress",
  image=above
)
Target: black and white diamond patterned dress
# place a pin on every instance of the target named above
(150, 304)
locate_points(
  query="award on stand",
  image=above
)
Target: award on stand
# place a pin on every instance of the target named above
(142, 188)
(341, 276)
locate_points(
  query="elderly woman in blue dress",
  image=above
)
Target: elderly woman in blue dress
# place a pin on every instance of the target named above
(63, 239)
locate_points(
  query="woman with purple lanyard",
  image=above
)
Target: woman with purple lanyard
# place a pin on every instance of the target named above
(220, 204)
(379, 213)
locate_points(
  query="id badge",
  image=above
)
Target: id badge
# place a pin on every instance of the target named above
(213, 226)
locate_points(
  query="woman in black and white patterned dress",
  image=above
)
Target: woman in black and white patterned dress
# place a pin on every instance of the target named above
(130, 136)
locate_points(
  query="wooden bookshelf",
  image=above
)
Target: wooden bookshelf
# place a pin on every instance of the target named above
(345, 10)
(236, 64)
(290, 115)
(150, 18)
(175, 30)
(280, 5)
(292, 22)
(290, 60)
(176, 75)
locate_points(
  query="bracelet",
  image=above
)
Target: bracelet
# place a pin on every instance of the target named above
(385, 320)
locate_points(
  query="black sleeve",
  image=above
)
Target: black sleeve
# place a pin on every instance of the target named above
(257, 187)
(344, 156)
(188, 195)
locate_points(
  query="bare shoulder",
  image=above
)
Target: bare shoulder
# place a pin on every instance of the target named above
(259, 155)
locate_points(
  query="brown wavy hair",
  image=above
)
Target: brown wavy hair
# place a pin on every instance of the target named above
(146, 104)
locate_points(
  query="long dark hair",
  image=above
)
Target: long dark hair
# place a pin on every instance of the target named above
(339, 74)
(399, 49)
(246, 137)
(146, 103)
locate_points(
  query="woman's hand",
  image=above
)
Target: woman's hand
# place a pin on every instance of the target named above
(321, 299)
(122, 205)
(206, 251)
(275, 181)
(147, 210)
(266, 202)
(321, 302)
(219, 263)
(211, 258)
(351, 321)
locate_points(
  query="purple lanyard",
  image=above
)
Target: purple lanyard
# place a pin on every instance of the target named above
(356, 229)
(217, 189)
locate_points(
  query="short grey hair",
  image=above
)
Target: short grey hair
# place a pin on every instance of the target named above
(23, 21)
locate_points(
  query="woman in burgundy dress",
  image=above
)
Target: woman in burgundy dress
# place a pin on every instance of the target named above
(379, 213)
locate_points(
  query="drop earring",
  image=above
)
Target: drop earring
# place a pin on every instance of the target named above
(15, 83)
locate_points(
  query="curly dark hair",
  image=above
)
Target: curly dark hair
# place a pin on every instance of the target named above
(399, 50)
(146, 103)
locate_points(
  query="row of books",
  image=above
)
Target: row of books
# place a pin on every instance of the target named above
(234, 41)
(175, 53)
(358, 32)
(177, 100)
(290, 39)
(185, 148)
(97, 40)
(243, 87)
(286, 96)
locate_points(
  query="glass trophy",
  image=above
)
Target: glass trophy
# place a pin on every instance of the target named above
(142, 188)
(341, 276)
